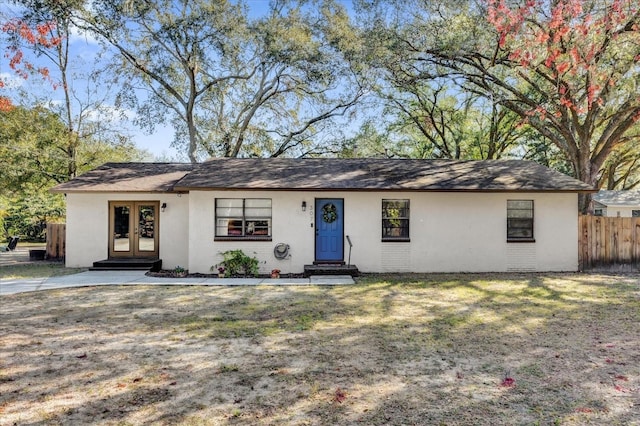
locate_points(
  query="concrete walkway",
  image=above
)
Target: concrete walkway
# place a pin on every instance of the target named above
(95, 278)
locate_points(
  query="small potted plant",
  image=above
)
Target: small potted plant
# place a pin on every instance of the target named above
(179, 272)
(275, 273)
(221, 272)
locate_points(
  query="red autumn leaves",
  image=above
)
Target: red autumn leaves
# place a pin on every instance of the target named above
(21, 33)
(568, 46)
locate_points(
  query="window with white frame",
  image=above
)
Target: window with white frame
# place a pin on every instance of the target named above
(395, 220)
(519, 220)
(243, 218)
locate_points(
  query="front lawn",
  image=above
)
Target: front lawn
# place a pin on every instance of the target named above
(433, 349)
(37, 270)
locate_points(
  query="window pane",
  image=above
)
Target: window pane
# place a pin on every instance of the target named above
(234, 228)
(520, 231)
(635, 213)
(258, 227)
(229, 202)
(391, 230)
(237, 217)
(257, 212)
(257, 202)
(520, 213)
(520, 204)
(520, 219)
(229, 211)
(395, 219)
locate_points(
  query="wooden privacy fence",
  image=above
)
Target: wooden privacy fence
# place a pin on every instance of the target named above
(56, 241)
(608, 241)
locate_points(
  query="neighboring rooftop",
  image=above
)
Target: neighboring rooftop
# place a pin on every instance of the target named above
(377, 174)
(128, 177)
(325, 175)
(618, 198)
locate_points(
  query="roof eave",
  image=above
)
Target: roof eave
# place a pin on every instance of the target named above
(280, 189)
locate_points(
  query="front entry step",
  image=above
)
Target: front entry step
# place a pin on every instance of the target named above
(331, 269)
(128, 264)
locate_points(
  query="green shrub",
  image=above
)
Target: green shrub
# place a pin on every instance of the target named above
(236, 262)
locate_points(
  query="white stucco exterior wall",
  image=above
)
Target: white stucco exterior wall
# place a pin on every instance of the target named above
(87, 237)
(450, 232)
(623, 211)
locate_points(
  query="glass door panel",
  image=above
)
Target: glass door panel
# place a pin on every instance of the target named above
(121, 228)
(146, 228)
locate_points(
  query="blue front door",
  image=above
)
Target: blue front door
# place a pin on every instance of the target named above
(329, 230)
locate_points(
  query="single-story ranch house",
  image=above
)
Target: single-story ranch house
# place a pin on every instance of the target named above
(383, 215)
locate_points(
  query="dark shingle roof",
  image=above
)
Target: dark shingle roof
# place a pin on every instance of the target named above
(128, 177)
(377, 174)
(325, 175)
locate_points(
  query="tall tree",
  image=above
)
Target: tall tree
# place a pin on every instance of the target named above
(443, 117)
(454, 124)
(84, 108)
(230, 85)
(33, 151)
(33, 157)
(568, 68)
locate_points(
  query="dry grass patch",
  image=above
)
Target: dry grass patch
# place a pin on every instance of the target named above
(412, 350)
(40, 269)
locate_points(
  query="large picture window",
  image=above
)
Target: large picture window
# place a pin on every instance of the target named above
(395, 220)
(243, 218)
(519, 220)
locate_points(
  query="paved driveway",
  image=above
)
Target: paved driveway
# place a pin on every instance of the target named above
(19, 256)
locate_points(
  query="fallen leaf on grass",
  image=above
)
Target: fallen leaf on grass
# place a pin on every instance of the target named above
(137, 379)
(339, 395)
(84, 355)
(623, 378)
(584, 410)
(620, 389)
(508, 382)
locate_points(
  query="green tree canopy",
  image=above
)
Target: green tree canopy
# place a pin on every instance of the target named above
(230, 85)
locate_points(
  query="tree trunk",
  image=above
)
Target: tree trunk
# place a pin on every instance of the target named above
(586, 173)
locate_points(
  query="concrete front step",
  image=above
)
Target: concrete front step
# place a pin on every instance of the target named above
(128, 264)
(330, 269)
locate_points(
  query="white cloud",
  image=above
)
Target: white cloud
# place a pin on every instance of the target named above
(80, 36)
(110, 113)
(11, 81)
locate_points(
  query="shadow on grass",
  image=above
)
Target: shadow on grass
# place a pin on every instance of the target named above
(427, 351)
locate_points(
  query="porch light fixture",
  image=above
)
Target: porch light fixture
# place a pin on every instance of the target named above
(304, 206)
(163, 207)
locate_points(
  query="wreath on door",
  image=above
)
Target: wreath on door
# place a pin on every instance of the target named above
(329, 213)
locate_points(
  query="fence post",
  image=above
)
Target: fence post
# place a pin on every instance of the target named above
(56, 240)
